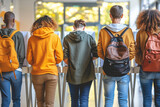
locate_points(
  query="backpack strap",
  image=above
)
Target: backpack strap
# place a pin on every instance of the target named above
(124, 32)
(12, 34)
(109, 32)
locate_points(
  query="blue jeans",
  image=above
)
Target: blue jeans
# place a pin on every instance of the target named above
(9, 80)
(122, 87)
(146, 80)
(80, 94)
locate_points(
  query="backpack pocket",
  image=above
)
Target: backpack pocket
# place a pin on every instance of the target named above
(116, 68)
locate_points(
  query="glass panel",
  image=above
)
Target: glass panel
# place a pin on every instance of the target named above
(54, 10)
(89, 14)
(105, 11)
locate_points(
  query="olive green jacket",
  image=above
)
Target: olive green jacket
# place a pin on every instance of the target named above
(79, 48)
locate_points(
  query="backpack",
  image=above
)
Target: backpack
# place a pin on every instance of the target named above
(8, 56)
(151, 56)
(116, 62)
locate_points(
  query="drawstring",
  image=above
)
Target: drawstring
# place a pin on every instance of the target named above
(14, 74)
(13, 70)
(1, 74)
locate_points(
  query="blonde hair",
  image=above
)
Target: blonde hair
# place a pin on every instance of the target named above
(148, 20)
(44, 21)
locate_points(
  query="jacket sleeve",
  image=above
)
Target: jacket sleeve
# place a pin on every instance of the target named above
(99, 47)
(29, 53)
(58, 51)
(132, 50)
(21, 49)
(66, 49)
(138, 50)
(93, 48)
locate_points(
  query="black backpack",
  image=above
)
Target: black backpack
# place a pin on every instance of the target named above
(116, 62)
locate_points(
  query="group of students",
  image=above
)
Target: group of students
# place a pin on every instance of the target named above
(44, 51)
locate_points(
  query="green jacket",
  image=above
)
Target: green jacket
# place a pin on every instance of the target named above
(19, 44)
(79, 48)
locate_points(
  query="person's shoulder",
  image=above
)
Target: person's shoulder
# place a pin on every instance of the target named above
(129, 30)
(89, 36)
(18, 33)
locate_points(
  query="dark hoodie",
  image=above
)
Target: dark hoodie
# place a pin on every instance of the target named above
(19, 43)
(79, 48)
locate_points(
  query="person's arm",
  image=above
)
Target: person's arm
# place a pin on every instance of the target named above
(94, 49)
(21, 49)
(138, 55)
(65, 51)
(29, 52)
(132, 50)
(99, 47)
(58, 51)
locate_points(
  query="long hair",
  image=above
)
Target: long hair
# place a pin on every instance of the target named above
(44, 21)
(148, 20)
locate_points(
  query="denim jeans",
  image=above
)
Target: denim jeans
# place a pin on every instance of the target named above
(122, 87)
(9, 80)
(80, 94)
(146, 80)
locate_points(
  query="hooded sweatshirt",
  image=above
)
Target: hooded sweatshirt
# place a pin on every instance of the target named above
(44, 51)
(79, 48)
(104, 39)
(19, 44)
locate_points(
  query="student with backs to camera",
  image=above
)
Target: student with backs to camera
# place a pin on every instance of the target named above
(43, 53)
(12, 54)
(148, 55)
(116, 46)
(79, 52)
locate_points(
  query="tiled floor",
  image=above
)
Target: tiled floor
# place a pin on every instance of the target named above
(137, 100)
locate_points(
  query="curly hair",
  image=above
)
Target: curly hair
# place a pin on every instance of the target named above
(148, 20)
(44, 21)
(79, 23)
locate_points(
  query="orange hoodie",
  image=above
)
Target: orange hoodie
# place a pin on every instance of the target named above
(44, 51)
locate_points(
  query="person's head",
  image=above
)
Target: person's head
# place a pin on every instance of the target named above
(116, 13)
(9, 19)
(148, 20)
(79, 24)
(44, 21)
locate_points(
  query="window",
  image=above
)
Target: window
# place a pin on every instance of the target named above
(105, 11)
(95, 15)
(90, 14)
(54, 10)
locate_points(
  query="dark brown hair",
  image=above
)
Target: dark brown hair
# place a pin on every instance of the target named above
(148, 20)
(44, 21)
(116, 11)
(79, 23)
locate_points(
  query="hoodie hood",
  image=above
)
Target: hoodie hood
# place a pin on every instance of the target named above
(6, 31)
(76, 36)
(43, 32)
(116, 27)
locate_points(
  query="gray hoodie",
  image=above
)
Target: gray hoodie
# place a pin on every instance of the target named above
(79, 48)
(116, 27)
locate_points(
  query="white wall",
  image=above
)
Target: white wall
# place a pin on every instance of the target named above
(26, 14)
(134, 11)
(6, 7)
(24, 10)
